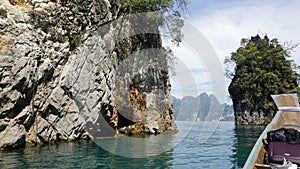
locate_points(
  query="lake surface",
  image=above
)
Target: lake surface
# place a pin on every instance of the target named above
(197, 145)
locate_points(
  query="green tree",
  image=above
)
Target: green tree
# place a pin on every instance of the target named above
(260, 68)
(167, 12)
(161, 6)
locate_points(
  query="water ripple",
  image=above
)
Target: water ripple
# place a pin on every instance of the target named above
(227, 148)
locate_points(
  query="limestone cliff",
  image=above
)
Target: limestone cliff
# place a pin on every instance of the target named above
(244, 114)
(78, 70)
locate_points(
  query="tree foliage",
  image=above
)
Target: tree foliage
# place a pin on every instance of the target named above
(166, 12)
(161, 6)
(260, 68)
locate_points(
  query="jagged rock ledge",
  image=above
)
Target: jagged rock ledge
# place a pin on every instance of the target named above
(63, 77)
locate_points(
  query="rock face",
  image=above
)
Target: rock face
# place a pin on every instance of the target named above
(244, 114)
(77, 70)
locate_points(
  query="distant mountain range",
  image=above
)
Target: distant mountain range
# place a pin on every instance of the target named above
(201, 108)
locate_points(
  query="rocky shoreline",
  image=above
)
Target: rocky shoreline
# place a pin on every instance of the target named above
(64, 77)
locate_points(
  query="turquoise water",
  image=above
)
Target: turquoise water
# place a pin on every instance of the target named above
(225, 146)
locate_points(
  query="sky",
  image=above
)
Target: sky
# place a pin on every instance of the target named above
(222, 24)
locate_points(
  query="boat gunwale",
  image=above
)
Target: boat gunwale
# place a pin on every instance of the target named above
(253, 156)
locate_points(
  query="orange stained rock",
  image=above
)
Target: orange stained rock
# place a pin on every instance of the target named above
(137, 99)
(18, 4)
(114, 118)
(3, 44)
(13, 2)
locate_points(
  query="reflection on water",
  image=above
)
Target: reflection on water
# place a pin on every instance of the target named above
(138, 147)
(245, 138)
(213, 153)
(228, 147)
(77, 155)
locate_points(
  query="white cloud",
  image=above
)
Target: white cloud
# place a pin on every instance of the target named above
(191, 75)
(225, 27)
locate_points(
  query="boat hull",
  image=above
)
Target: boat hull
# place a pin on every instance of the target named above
(283, 119)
